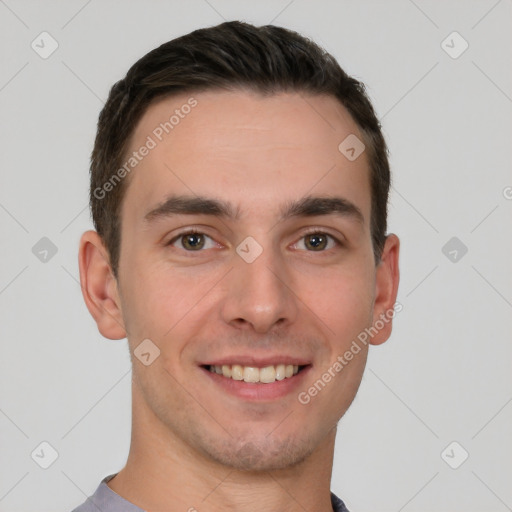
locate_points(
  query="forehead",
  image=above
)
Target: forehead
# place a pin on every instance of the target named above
(244, 148)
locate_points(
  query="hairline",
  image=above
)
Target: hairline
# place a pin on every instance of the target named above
(243, 88)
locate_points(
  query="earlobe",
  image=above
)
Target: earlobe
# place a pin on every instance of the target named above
(386, 289)
(99, 286)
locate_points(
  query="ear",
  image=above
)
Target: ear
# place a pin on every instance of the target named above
(99, 286)
(386, 289)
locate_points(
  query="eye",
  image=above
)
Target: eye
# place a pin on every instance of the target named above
(192, 241)
(317, 241)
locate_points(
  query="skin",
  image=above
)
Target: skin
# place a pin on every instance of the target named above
(194, 445)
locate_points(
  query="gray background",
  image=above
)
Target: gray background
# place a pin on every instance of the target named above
(444, 375)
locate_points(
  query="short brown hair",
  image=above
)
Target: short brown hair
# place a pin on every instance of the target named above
(229, 56)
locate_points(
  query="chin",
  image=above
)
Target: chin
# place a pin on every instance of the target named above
(266, 455)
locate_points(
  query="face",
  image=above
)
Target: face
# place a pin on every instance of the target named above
(246, 246)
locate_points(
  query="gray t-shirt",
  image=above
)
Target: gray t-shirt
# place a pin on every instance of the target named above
(106, 500)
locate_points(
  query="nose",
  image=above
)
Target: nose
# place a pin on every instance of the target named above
(259, 295)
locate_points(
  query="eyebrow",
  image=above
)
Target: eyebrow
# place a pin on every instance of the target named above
(308, 206)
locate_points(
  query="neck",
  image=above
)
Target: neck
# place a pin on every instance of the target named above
(165, 473)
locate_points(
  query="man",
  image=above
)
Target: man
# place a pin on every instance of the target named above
(239, 186)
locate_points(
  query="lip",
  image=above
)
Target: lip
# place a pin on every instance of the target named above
(258, 362)
(258, 392)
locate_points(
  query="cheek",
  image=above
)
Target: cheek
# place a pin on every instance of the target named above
(146, 296)
(161, 302)
(342, 297)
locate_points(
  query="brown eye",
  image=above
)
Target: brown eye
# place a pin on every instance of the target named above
(316, 241)
(192, 241)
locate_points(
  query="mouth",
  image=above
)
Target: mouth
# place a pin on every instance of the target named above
(257, 382)
(253, 374)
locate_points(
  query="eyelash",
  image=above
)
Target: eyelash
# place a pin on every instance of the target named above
(317, 231)
(185, 233)
(309, 232)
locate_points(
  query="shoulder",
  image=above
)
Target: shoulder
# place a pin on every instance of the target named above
(337, 504)
(105, 499)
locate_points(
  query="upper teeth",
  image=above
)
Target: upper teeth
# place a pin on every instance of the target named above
(252, 374)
